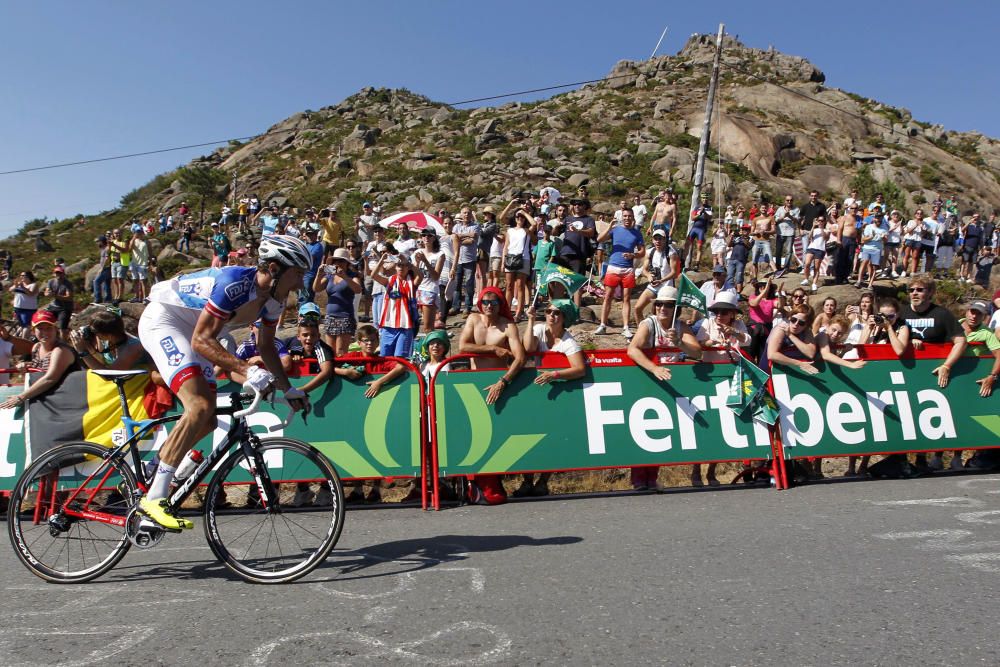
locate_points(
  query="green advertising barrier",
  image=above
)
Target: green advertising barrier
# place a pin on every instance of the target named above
(887, 406)
(363, 438)
(615, 416)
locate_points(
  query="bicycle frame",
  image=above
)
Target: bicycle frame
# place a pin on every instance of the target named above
(239, 432)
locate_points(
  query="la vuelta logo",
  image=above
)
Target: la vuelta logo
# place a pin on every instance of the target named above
(481, 432)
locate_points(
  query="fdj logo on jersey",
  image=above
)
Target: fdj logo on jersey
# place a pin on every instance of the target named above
(174, 356)
(235, 291)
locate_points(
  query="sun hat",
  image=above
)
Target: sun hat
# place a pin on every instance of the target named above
(981, 306)
(344, 254)
(725, 301)
(436, 336)
(569, 310)
(666, 293)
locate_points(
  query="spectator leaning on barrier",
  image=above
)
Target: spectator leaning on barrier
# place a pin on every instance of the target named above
(493, 333)
(50, 355)
(9, 347)
(791, 343)
(886, 327)
(719, 335)
(357, 365)
(552, 336)
(660, 330)
(832, 346)
(308, 344)
(931, 323)
(976, 331)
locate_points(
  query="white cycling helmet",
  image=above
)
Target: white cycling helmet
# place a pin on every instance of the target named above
(285, 250)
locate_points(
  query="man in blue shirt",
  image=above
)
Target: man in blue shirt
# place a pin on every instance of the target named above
(626, 246)
(268, 220)
(316, 248)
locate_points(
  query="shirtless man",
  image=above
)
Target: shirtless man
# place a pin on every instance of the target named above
(763, 253)
(492, 332)
(848, 244)
(665, 214)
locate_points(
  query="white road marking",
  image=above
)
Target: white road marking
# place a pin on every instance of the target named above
(969, 483)
(406, 651)
(988, 562)
(980, 517)
(130, 636)
(931, 502)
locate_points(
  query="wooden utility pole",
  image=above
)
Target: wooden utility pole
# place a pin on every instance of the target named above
(699, 172)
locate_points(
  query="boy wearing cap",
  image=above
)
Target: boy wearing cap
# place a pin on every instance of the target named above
(309, 345)
(365, 224)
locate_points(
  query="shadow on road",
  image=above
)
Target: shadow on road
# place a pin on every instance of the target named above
(423, 553)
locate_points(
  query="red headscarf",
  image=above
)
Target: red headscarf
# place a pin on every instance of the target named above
(495, 291)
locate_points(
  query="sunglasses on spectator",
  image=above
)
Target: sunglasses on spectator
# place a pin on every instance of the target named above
(553, 311)
(798, 320)
(663, 304)
(798, 296)
(917, 289)
(493, 303)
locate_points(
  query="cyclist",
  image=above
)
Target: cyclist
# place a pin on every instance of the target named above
(180, 329)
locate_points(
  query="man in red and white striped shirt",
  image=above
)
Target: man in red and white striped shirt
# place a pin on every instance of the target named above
(397, 322)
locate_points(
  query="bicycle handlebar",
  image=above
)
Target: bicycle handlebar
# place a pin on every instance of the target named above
(256, 398)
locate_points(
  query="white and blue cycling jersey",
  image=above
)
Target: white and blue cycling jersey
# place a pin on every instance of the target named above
(218, 291)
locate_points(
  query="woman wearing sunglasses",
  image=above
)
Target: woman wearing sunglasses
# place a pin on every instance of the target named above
(791, 343)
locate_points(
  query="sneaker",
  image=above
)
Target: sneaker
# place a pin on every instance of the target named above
(303, 496)
(324, 498)
(159, 511)
(627, 333)
(898, 275)
(476, 495)
(804, 282)
(814, 287)
(902, 274)
(600, 330)
(936, 462)
(956, 463)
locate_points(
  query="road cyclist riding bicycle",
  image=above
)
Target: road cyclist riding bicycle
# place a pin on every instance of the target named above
(181, 328)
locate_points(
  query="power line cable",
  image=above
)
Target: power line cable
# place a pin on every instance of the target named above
(248, 138)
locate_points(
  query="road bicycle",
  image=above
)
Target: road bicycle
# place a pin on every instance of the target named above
(273, 508)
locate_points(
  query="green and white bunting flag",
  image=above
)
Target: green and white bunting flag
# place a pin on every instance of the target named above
(690, 296)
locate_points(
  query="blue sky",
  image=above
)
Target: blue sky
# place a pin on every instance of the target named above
(94, 79)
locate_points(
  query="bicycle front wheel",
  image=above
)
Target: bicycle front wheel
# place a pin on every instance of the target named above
(66, 517)
(284, 541)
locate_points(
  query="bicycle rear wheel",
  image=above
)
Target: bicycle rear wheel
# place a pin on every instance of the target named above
(66, 518)
(281, 543)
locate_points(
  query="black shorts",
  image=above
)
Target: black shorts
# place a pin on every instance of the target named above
(63, 314)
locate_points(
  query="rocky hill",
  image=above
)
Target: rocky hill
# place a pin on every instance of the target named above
(779, 129)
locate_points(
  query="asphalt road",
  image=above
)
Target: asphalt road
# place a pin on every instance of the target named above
(885, 573)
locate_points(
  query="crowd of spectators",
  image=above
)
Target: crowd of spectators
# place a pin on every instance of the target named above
(376, 292)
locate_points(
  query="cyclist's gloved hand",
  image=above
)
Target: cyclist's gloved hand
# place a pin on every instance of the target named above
(258, 379)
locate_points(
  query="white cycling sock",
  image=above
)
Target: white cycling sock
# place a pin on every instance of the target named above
(161, 483)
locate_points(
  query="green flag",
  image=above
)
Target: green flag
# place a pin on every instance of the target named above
(560, 274)
(766, 409)
(752, 386)
(689, 295)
